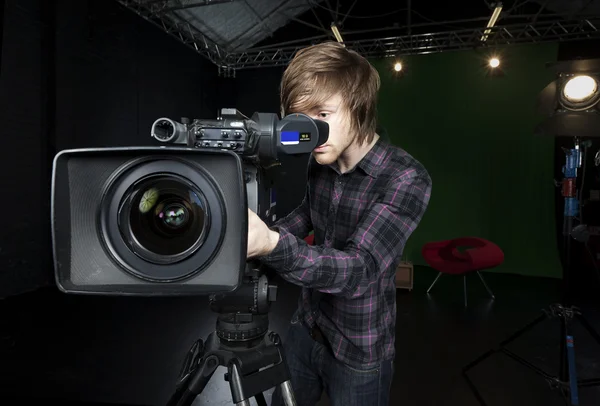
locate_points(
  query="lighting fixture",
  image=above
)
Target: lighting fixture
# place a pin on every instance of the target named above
(571, 101)
(580, 92)
(336, 33)
(492, 21)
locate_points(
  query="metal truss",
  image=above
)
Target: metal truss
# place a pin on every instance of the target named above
(547, 31)
(159, 12)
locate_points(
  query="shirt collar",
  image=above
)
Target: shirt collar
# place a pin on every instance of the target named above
(373, 160)
(371, 163)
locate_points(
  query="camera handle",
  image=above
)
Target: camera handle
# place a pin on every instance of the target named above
(250, 371)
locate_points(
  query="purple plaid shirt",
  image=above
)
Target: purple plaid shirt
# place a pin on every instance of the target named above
(361, 221)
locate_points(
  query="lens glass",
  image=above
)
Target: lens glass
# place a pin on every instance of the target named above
(166, 217)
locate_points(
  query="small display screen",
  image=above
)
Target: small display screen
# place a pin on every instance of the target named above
(290, 137)
(294, 137)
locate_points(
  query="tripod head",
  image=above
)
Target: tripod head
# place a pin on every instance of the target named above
(243, 315)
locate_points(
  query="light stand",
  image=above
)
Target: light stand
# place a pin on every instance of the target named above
(566, 380)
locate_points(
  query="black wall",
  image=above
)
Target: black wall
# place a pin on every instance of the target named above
(79, 74)
(24, 157)
(116, 74)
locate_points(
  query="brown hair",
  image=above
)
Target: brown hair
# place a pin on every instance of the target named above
(320, 71)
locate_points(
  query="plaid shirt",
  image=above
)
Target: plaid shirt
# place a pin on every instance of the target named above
(361, 221)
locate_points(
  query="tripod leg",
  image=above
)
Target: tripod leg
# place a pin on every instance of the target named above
(563, 372)
(572, 371)
(586, 324)
(235, 383)
(524, 330)
(260, 399)
(194, 385)
(288, 394)
(472, 385)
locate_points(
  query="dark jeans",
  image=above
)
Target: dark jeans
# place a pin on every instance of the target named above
(314, 369)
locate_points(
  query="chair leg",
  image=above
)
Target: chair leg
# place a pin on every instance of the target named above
(435, 280)
(465, 287)
(486, 286)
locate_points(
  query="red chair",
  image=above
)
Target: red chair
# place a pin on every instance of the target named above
(310, 239)
(461, 256)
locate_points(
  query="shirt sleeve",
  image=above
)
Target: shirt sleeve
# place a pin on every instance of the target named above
(298, 222)
(376, 244)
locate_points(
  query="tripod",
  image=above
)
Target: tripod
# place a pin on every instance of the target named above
(566, 380)
(242, 343)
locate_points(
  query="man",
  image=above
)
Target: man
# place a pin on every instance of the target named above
(363, 200)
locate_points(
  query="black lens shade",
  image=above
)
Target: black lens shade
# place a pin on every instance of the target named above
(149, 221)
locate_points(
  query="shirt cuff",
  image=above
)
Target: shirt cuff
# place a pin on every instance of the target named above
(280, 258)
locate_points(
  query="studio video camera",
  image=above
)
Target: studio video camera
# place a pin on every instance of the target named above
(172, 220)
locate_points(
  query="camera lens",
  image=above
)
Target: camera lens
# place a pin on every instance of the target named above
(164, 218)
(174, 215)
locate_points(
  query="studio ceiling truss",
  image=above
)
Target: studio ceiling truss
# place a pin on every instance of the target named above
(231, 50)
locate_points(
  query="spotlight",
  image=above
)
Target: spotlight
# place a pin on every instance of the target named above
(579, 93)
(492, 67)
(398, 66)
(571, 101)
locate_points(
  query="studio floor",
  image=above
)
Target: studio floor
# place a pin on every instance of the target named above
(128, 351)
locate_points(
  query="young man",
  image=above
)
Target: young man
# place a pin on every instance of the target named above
(363, 200)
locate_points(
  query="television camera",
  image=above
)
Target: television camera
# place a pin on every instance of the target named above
(172, 220)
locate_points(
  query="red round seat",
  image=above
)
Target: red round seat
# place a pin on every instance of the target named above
(461, 256)
(310, 239)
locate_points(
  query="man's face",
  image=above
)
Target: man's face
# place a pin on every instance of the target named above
(333, 113)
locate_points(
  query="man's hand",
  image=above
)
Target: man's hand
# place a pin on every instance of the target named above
(261, 240)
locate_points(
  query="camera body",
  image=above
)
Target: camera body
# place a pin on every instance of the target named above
(171, 219)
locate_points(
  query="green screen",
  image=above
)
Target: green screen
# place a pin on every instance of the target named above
(492, 178)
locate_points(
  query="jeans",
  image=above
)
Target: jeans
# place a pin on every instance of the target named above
(313, 369)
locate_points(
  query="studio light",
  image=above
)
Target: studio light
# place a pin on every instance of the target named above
(492, 21)
(571, 101)
(398, 66)
(579, 93)
(493, 65)
(336, 33)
